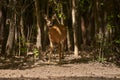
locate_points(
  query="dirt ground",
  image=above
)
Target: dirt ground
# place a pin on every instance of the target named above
(66, 71)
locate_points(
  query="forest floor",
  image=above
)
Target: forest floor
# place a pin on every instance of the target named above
(71, 69)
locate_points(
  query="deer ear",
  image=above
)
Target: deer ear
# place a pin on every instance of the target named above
(45, 17)
(54, 16)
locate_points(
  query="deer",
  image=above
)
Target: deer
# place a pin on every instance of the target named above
(57, 34)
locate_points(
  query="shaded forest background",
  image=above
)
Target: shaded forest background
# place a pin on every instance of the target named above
(92, 26)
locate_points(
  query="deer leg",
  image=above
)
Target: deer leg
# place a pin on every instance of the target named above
(60, 53)
(51, 50)
(50, 55)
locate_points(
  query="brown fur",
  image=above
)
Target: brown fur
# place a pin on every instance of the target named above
(57, 34)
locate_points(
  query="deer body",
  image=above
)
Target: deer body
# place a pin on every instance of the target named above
(57, 35)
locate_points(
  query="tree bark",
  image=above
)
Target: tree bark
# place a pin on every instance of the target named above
(1, 28)
(11, 36)
(12, 24)
(39, 36)
(74, 25)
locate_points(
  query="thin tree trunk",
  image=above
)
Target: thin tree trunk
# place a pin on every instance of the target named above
(1, 28)
(22, 29)
(11, 36)
(39, 36)
(74, 25)
(68, 40)
(69, 29)
(83, 28)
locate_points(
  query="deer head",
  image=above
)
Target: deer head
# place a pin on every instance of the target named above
(49, 21)
(57, 32)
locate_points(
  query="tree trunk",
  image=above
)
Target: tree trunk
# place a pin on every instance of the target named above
(83, 28)
(22, 29)
(1, 28)
(11, 36)
(69, 29)
(39, 36)
(74, 25)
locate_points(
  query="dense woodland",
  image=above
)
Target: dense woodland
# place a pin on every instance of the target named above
(92, 26)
